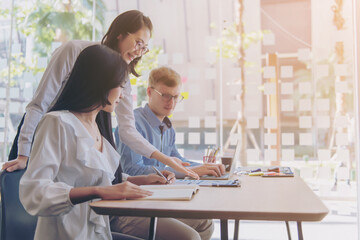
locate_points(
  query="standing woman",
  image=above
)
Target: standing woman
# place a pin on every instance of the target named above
(71, 162)
(128, 34)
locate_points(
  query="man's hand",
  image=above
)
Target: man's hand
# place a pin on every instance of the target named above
(212, 169)
(156, 179)
(18, 163)
(152, 178)
(170, 176)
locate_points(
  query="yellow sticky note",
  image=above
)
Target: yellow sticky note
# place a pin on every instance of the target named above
(185, 95)
(133, 81)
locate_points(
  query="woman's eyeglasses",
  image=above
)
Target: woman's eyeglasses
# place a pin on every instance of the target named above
(139, 45)
(167, 97)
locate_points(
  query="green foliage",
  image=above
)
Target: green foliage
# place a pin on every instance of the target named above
(230, 41)
(48, 21)
(148, 62)
(18, 67)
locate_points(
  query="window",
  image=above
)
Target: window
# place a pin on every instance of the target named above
(284, 84)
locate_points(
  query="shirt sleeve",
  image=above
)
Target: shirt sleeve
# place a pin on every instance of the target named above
(175, 153)
(126, 123)
(49, 87)
(39, 194)
(124, 177)
(131, 162)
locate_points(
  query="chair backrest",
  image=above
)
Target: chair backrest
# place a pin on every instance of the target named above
(16, 222)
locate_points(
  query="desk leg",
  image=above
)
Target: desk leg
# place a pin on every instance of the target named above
(152, 229)
(288, 230)
(224, 229)
(236, 229)
(300, 233)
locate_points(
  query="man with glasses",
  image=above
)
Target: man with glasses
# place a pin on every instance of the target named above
(153, 124)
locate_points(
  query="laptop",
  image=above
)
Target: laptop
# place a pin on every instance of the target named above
(226, 176)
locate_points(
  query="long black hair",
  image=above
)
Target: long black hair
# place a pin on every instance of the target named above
(97, 70)
(127, 22)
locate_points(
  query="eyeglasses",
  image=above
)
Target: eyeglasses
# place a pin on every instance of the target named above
(167, 97)
(139, 45)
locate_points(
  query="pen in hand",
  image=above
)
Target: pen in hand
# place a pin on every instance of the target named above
(160, 174)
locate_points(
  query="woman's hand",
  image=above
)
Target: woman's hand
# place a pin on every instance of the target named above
(125, 190)
(179, 166)
(17, 163)
(175, 163)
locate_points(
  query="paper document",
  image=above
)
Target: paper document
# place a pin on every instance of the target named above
(171, 192)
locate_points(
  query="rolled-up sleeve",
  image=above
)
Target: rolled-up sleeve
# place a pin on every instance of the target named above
(39, 193)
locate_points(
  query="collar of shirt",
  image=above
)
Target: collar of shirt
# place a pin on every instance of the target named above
(154, 121)
(85, 151)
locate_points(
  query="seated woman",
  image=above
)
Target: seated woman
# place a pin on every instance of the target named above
(72, 161)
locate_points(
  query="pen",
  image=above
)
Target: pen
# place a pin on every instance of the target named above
(216, 151)
(211, 152)
(207, 151)
(160, 174)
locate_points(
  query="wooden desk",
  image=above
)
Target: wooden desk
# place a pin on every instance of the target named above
(273, 199)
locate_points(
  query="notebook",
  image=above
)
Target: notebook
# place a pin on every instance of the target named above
(175, 192)
(226, 176)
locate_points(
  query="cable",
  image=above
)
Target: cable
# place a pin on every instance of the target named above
(283, 29)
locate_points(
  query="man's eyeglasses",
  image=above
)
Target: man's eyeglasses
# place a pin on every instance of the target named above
(167, 97)
(139, 45)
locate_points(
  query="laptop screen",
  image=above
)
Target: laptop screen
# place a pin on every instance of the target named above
(236, 157)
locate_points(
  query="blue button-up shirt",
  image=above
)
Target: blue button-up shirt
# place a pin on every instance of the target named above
(150, 127)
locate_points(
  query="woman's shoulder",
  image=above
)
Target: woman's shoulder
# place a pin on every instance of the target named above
(62, 116)
(65, 120)
(72, 48)
(52, 120)
(78, 44)
(56, 114)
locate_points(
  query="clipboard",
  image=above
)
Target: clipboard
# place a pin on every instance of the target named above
(210, 183)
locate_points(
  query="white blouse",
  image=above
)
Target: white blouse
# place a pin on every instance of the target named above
(52, 84)
(63, 157)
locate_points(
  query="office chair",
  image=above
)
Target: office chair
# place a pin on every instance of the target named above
(16, 223)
